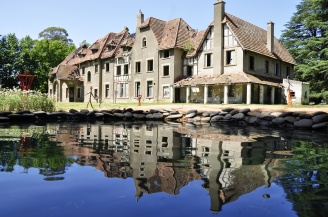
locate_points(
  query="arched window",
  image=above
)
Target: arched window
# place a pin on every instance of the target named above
(89, 76)
(144, 42)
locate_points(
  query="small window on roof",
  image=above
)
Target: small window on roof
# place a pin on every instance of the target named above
(144, 42)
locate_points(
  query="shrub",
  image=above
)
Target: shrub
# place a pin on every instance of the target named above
(16, 100)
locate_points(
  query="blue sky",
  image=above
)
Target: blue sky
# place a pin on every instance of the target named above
(91, 20)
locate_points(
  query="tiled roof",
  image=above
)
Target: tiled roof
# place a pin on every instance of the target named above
(170, 34)
(156, 25)
(254, 39)
(228, 78)
(196, 41)
(66, 72)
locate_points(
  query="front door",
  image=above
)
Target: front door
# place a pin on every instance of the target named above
(71, 94)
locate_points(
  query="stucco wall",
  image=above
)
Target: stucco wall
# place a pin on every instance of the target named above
(301, 90)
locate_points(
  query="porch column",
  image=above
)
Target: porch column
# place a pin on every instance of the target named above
(205, 94)
(188, 94)
(249, 94)
(59, 92)
(172, 94)
(225, 95)
(261, 94)
(272, 94)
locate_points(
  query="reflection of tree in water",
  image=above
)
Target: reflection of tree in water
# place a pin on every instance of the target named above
(36, 151)
(306, 179)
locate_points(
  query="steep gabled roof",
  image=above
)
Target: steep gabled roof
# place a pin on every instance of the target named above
(116, 42)
(196, 40)
(176, 33)
(156, 25)
(170, 34)
(254, 38)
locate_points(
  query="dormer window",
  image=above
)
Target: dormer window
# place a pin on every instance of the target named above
(144, 42)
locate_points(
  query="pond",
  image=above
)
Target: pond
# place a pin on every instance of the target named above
(157, 169)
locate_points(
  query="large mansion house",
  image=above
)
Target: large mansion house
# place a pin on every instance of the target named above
(232, 61)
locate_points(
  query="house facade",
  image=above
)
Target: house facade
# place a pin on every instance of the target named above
(232, 61)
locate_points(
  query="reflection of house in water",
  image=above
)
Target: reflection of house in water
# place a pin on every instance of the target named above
(161, 159)
(233, 168)
(155, 150)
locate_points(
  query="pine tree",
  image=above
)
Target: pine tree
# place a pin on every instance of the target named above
(306, 38)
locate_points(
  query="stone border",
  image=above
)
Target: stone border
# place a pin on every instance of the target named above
(244, 117)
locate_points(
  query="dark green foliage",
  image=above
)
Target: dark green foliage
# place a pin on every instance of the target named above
(35, 56)
(55, 34)
(306, 38)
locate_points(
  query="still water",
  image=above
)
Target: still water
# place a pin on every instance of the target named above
(156, 169)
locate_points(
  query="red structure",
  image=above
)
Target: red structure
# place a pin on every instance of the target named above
(26, 80)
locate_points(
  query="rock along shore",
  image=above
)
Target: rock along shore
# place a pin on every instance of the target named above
(243, 117)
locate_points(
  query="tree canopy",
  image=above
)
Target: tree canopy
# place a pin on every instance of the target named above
(306, 38)
(55, 33)
(34, 56)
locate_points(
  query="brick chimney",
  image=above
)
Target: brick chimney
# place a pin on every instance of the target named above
(270, 37)
(140, 18)
(218, 56)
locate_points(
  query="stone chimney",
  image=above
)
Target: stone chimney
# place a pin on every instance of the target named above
(270, 37)
(140, 18)
(218, 55)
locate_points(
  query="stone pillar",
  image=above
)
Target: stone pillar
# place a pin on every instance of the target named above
(249, 94)
(272, 94)
(205, 94)
(261, 94)
(172, 94)
(188, 94)
(225, 95)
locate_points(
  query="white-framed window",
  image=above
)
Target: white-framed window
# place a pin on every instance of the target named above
(165, 53)
(149, 88)
(231, 57)
(118, 70)
(208, 43)
(126, 69)
(144, 42)
(106, 90)
(229, 38)
(288, 71)
(67, 93)
(122, 90)
(166, 91)
(89, 76)
(107, 67)
(166, 70)
(137, 86)
(251, 64)
(150, 65)
(266, 66)
(138, 67)
(96, 68)
(277, 69)
(208, 60)
(83, 70)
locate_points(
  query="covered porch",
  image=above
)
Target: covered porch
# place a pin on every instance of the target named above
(234, 88)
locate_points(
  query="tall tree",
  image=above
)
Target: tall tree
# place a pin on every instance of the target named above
(55, 33)
(9, 55)
(48, 54)
(306, 37)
